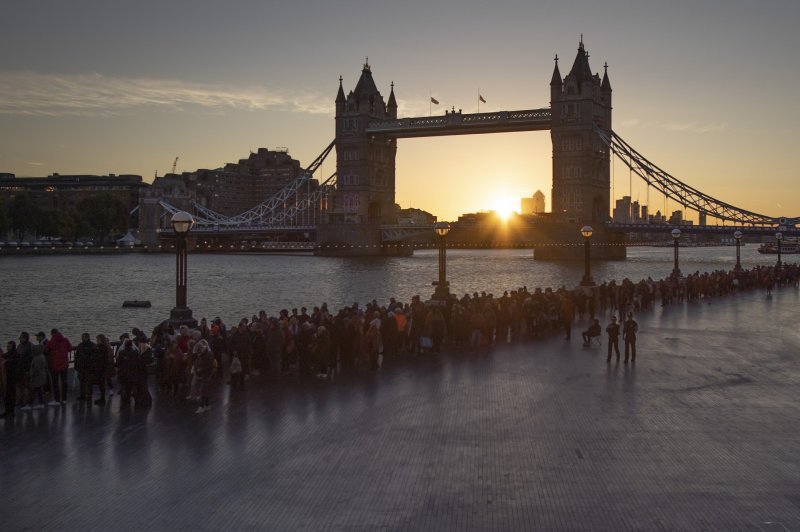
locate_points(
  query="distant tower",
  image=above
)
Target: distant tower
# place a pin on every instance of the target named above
(581, 177)
(365, 166)
(538, 202)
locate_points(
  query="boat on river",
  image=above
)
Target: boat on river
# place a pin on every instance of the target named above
(136, 304)
(789, 246)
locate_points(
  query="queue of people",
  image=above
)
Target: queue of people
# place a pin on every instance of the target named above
(297, 344)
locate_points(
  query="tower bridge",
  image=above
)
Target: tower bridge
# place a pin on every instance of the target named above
(353, 211)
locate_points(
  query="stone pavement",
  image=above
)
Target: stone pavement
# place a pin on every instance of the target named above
(702, 434)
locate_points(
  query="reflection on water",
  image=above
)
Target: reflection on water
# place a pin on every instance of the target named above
(85, 293)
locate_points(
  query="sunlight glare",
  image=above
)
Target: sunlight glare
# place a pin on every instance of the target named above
(504, 206)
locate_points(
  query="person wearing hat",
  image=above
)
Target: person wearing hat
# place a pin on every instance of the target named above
(613, 337)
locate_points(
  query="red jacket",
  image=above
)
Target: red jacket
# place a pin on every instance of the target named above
(57, 352)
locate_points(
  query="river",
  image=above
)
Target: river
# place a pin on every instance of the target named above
(85, 293)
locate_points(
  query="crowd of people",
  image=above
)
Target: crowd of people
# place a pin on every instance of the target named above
(297, 344)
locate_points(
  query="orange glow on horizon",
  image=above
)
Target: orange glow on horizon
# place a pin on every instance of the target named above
(504, 205)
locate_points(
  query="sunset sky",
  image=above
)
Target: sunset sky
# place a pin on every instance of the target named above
(706, 90)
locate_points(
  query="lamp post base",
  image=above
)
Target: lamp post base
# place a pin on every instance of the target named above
(676, 273)
(441, 294)
(587, 281)
(182, 316)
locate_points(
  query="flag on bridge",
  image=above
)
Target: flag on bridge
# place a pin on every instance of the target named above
(481, 98)
(434, 101)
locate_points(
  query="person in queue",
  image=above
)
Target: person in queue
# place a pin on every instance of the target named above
(629, 330)
(613, 337)
(25, 356)
(203, 370)
(39, 377)
(10, 363)
(57, 351)
(101, 368)
(83, 360)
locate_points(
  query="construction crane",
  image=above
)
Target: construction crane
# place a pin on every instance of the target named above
(174, 165)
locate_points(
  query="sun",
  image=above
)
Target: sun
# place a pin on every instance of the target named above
(504, 205)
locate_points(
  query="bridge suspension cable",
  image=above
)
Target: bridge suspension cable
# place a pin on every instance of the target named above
(275, 211)
(683, 194)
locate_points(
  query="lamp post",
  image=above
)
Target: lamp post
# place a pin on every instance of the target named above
(586, 232)
(737, 235)
(442, 292)
(676, 235)
(182, 223)
(779, 238)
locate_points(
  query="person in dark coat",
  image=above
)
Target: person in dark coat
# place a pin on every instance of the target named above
(10, 362)
(321, 349)
(203, 370)
(613, 337)
(629, 330)
(83, 360)
(131, 373)
(100, 367)
(25, 357)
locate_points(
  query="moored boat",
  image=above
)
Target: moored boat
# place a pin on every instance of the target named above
(789, 246)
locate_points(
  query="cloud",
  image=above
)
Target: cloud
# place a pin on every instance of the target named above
(34, 163)
(27, 93)
(694, 128)
(631, 122)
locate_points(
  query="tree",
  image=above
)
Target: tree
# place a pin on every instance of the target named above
(103, 213)
(71, 225)
(45, 222)
(5, 222)
(22, 212)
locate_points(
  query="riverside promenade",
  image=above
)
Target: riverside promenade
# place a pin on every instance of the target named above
(701, 434)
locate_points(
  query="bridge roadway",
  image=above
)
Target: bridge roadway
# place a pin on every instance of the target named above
(700, 435)
(458, 123)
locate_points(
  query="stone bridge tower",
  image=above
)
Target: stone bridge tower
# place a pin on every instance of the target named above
(365, 167)
(581, 177)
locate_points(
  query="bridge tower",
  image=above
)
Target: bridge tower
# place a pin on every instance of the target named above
(581, 162)
(365, 166)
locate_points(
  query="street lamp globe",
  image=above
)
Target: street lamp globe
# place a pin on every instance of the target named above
(676, 233)
(778, 236)
(441, 228)
(182, 222)
(587, 231)
(737, 235)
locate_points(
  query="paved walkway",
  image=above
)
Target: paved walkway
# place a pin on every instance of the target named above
(702, 434)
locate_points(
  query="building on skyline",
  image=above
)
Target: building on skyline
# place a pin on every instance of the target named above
(64, 192)
(677, 219)
(622, 211)
(534, 204)
(657, 218)
(414, 216)
(237, 187)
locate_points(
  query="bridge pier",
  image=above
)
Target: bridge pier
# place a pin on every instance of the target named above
(562, 241)
(355, 240)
